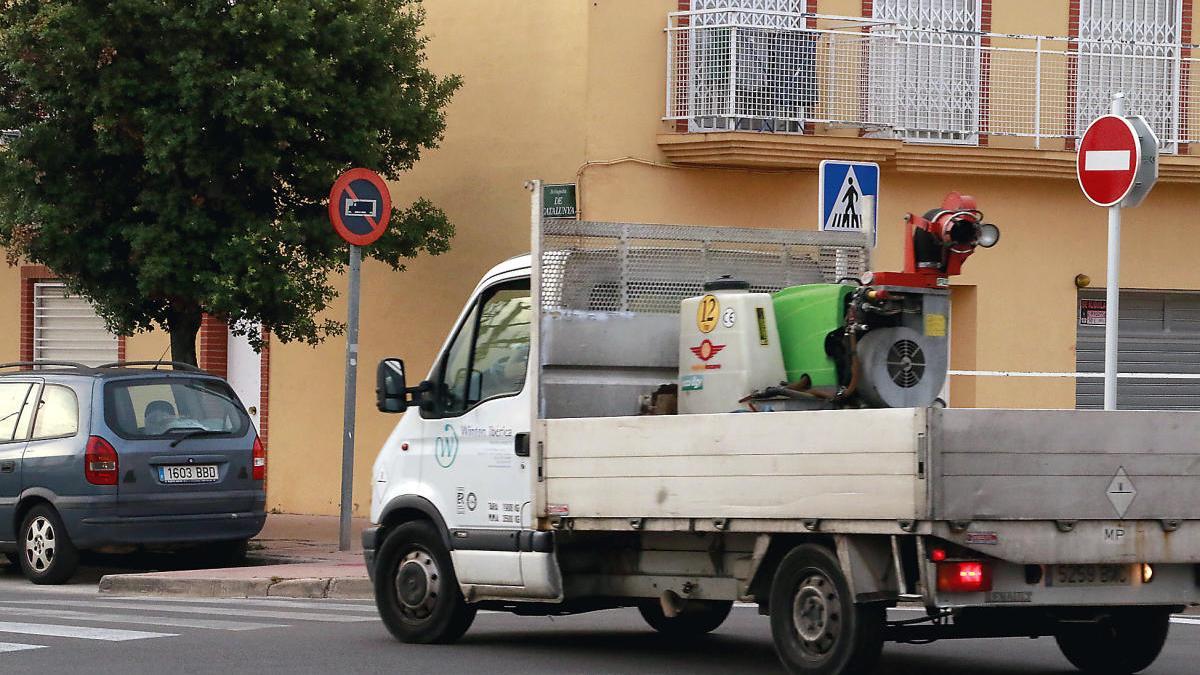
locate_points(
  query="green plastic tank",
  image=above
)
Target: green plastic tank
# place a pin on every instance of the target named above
(805, 315)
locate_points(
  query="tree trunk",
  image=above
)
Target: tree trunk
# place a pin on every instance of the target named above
(184, 325)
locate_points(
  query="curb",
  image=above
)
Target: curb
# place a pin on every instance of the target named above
(344, 588)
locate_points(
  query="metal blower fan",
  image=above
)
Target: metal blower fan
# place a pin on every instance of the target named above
(900, 368)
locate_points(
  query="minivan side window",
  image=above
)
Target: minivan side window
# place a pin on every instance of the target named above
(12, 402)
(489, 355)
(58, 413)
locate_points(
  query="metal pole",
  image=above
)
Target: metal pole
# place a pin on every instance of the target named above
(1112, 298)
(1112, 308)
(348, 411)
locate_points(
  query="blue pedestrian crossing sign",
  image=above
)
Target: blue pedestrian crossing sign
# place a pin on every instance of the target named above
(848, 196)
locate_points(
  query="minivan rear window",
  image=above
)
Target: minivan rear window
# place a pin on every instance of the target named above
(166, 407)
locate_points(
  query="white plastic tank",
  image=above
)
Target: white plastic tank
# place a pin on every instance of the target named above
(728, 347)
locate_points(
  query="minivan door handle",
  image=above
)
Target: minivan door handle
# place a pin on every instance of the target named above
(9, 466)
(522, 445)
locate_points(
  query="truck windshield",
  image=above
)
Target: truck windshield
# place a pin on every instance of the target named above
(167, 407)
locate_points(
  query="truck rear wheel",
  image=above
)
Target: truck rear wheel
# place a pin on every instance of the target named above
(1126, 641)
(416, 591)
(817, 627)
(697, 618)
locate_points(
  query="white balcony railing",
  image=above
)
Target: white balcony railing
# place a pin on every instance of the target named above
(779, 72)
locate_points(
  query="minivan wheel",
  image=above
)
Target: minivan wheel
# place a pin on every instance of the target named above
(416, 591)
(47, 554)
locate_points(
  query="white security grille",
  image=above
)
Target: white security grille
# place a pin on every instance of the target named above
(1130, 46)
(738, 61)
(66, 328)
(938, 50)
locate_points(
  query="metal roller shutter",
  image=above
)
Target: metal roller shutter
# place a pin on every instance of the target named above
(1159, 333)
(66, 328)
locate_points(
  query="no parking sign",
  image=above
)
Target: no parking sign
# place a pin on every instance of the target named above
(360, 206)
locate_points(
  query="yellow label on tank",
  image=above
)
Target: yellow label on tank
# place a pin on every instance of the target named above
(762, 325)
(935, 325)
(707, 313)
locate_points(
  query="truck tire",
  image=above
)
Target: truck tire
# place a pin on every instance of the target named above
(46, 552)
(1125, 642)
(697, 618)
(416, 591)
(817, 627)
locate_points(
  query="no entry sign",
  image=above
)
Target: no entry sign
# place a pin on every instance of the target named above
(360, 206)
(1118, 161)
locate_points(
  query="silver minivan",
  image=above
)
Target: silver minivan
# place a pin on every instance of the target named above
(122, 455)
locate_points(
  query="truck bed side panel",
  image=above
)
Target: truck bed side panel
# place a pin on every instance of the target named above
(828, 464)
(1061, 464)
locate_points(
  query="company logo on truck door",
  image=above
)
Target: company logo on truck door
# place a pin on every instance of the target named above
(445, 448)
(706, 350)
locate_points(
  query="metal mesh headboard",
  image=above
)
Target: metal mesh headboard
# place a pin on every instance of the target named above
(638, 268)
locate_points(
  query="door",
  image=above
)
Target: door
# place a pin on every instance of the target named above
(473, 426)
(16, 409)
(245, 374)
(185, 446)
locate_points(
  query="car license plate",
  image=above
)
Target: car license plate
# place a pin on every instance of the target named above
(188, 473)
(1089, 575)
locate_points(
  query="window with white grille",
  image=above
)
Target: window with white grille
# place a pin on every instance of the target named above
(67, 328)
(751, 65)
(936, 67)
(1130, 46)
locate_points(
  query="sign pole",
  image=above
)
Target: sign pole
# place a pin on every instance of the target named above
(350, 396)
(1112, 298)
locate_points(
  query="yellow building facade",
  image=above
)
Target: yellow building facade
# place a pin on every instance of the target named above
(621, 98)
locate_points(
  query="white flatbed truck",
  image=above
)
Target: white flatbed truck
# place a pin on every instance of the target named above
(537, 486)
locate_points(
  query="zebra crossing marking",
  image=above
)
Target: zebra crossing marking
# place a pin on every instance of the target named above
(212, 624)
(81, 632)
(17, 647)
(151, 606)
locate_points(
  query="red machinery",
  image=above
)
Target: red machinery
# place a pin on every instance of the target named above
(940, 242)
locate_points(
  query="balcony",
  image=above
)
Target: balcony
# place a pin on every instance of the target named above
(753, 88)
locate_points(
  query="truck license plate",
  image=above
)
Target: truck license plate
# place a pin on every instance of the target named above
(188, 473)
(1089, 575)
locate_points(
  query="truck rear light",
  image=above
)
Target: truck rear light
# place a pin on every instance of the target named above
(964, 577)
(937, 554)
(100, 464)
(1147, 573)
(259, 462)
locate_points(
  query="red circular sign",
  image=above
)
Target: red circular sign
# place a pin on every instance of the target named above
(360, 206)
(1109, 156)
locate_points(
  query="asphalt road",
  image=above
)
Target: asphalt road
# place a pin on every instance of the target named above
(73, 629)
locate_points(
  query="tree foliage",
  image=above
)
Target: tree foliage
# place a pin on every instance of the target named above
(175, 156)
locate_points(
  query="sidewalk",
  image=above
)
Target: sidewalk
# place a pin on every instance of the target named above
(295, 556)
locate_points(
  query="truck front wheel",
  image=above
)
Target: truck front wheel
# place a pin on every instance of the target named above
(697, 617)
(1126, 641)
(416, 591)
(817, 627)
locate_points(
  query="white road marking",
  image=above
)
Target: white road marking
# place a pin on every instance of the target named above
(254, 602)
(213, 624)
(197, 609)
(1190, 620)
(17, 647)
(1106, 160)
(81, 632)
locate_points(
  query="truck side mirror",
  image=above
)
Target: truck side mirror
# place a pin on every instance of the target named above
(391, 391)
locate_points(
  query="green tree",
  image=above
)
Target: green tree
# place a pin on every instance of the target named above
(174, 157)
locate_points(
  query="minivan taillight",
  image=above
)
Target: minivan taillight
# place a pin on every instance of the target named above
(259, 471)
(100, 462)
